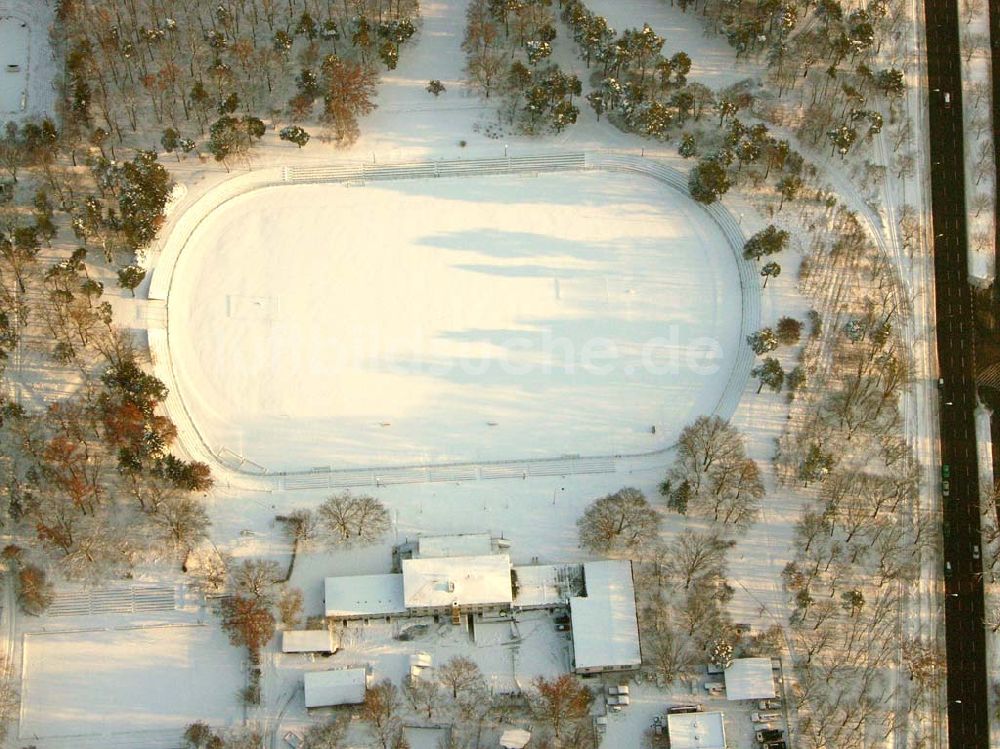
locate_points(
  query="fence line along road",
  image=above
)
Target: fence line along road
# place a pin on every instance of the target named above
(360, 173)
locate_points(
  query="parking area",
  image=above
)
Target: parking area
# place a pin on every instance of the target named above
(637, 713)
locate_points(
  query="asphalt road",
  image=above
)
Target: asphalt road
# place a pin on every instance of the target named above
(968, 720)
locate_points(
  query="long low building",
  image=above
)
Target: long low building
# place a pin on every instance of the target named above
(342, 686)
(437, 584)
(605, 624)
(750, 679)
(432, 585)
(364, 596)
(307, 641)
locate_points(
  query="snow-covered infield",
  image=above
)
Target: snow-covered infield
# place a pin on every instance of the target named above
(115, 681)
(431, 320)
(15, 43)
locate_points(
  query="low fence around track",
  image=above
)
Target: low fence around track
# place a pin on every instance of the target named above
(359, 174)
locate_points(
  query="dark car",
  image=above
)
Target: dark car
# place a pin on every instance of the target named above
(769, 735)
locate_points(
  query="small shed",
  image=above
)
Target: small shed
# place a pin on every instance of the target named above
(514, 738)
(750, 679)
(307, 641)
(345, 686)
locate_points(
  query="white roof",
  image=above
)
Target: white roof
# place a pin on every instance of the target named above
(421, 660)
(364, 595)
(605, 626)
(306, 641)
(514, 738)
(469, 581)
(538, 585)
(750, 679)
(696, 731)
(345, 686)
(460, 545)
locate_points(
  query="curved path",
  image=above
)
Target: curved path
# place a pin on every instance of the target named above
(239, 471)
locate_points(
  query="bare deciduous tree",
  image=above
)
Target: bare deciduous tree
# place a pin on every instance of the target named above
(458, 674)
(424, 695)
(381, 712)
(623, 520)
(697, 556)
(257, 578)
(561, 701)
(348, 519)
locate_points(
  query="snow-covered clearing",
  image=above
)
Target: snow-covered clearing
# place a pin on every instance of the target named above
(15, 38)
(26, 91)
(109, 681)
(454, 319)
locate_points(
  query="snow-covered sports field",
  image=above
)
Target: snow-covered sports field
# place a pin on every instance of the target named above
(455, 319)
(15, 35)
(110, 681)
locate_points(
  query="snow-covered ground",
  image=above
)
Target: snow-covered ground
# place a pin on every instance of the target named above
(236, 306)
(15, 39)
(980, 177)
(27, 92)
(453, 319)
(79, 682)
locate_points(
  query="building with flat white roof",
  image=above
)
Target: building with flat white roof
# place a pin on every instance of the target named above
(458, 545)
(750, 679)
(696, 731)
(307, 641)
(546, 585)
(605, 625)
(473, 583)
(363, 596)
(344, 686)
(514, 738)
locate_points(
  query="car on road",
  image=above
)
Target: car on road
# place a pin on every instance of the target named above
(947, 569)
(945, 489)
(945, 471)
(947, 98)
(975, 551)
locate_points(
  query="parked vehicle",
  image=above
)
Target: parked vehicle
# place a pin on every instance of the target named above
(769, 734)
(764, 717)
(975, 551)
(769, 705)
(677, 709)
